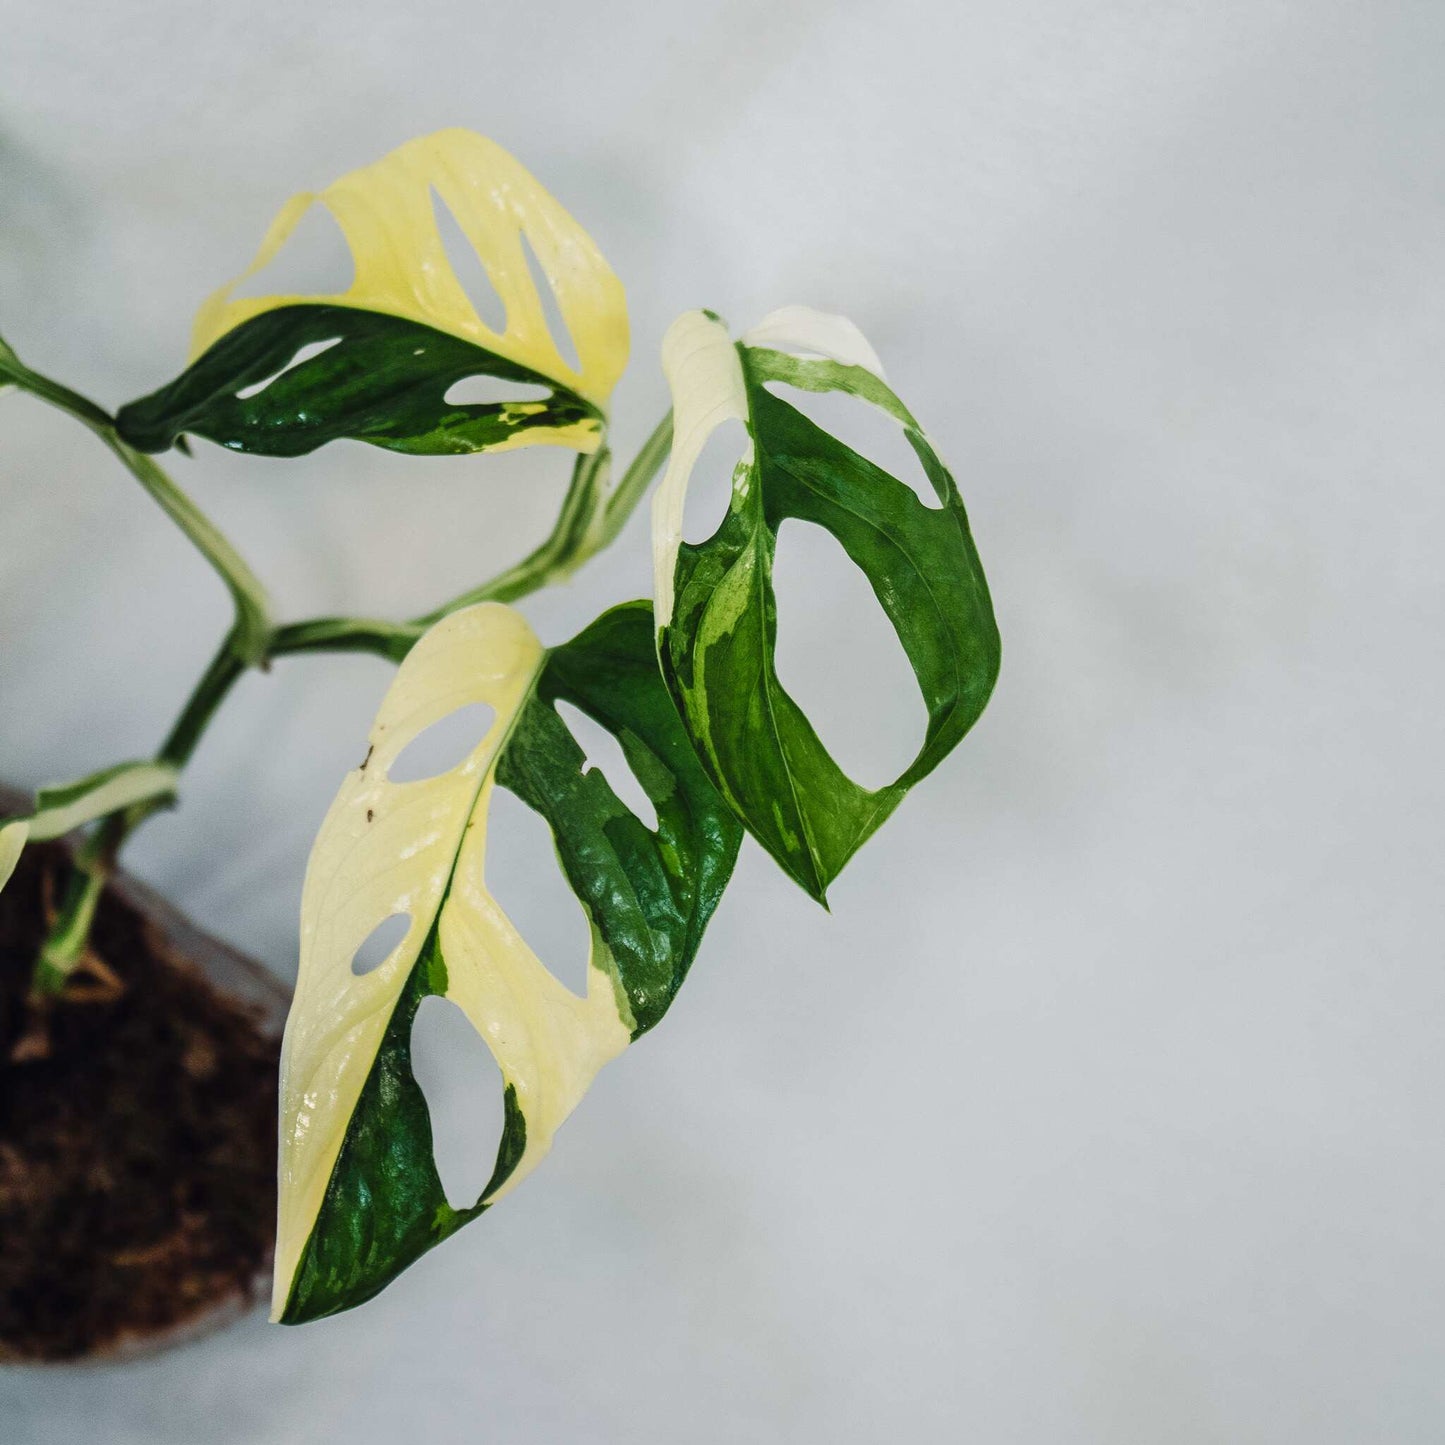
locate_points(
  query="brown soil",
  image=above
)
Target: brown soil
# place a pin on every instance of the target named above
(137, 1138)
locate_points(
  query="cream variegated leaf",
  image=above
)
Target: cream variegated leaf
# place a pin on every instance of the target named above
(387, 349)
(360, 1195)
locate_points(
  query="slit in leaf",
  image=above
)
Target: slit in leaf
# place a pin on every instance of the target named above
(710, 483)
(469, 268)
(604, 752)
(556, 322)
(525, 877)
(380, 943)
(867, 429)
(483, 390)
(839, 659)
(303, 355)
(445, 745)
(462, 1086)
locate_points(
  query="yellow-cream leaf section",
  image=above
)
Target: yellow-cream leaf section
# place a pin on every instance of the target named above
(386, 213)
(705, 375)
(13, 838)
(419, 848)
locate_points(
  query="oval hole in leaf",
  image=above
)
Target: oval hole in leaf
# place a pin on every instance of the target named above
(483, 390)
(556, 322)
(710, 484)
(445, 745)
(463, 1089)
(868, 429)
(526, 878)
(303, 355)
(471, 271)
(839, 659)
(378, 945)
(604, 752)
(314, 261)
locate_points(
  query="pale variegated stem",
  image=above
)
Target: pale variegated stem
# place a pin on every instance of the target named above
(69, 934)
(66, 941)
(635, 482)
(591, 517)
(245, 644)
(590, 520)
(252, 630)
(391, 640)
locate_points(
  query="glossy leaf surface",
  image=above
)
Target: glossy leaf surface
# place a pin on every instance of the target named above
(360, 1194)
(716, 611)
(281, 375)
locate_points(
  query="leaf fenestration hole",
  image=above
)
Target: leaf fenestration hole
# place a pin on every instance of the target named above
(303, 355)
(445, 745)
(380, 943)
(556, 322)
(839, 659)
(604, 753)
(483, 390)
(469, 268)
(710, 485)
(464, 1093)
(314, 261)
(526, 878)
(868, 429)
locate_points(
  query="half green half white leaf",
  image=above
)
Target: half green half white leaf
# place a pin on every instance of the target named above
(281, 375)
(360, 1194)
(716, 614)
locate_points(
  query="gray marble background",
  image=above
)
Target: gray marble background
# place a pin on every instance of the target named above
(1105, 1107)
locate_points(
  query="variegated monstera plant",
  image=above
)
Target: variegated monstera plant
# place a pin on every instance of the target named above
(686, 683)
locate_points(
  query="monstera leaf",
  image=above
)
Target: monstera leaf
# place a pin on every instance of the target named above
(281, 375)
(716, 617)
(60, 809)
(360, 1194)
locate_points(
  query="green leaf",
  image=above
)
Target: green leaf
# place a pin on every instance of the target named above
(360, 1195)
(67, 806)
(717, 619)
(281, 375)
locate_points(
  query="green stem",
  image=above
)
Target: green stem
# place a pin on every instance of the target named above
(253, 626)
(205, 699)
(69, 934)
(591, 517)
(66, 941)
(391, 640)
(633, 486)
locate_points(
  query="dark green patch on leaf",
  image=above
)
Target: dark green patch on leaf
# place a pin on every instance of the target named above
(649, 895)
(718, 652)
(384, 381)
(385, 1205)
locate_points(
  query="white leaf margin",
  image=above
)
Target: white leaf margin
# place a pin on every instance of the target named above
(704, 373)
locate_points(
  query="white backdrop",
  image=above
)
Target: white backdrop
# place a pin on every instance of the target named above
(1105, 1107)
